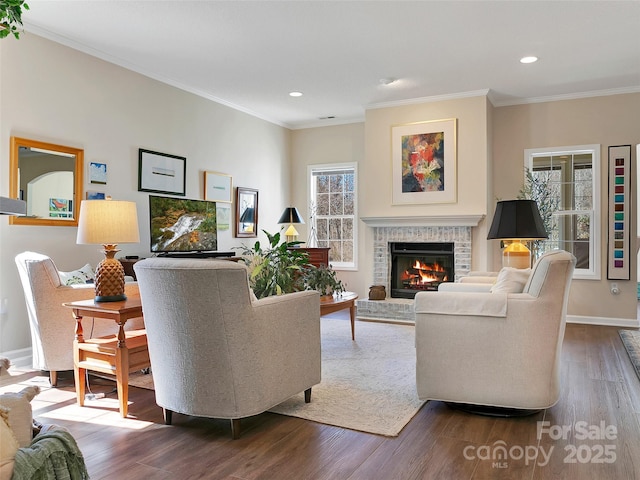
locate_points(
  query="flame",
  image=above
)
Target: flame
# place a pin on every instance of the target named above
(424, 273)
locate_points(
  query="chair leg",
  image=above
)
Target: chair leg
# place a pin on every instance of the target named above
(168, 416)
(53, 378)
(235, 428)
(307, 395)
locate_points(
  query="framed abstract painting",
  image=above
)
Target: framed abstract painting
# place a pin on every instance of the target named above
(424, 161)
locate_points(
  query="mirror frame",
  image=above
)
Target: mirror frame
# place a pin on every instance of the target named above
(250, 192)
(16, 143)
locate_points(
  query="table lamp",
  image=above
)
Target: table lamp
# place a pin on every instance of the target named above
(12, 206)
(513, 222)
(290, 216)
(108, 222)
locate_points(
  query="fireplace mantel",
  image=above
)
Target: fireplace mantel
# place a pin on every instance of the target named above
(431, 221)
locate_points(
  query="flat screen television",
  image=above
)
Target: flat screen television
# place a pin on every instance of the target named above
(180, 225)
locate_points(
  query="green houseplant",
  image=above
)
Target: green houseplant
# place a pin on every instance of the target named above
(323, 279)
(11, 17)
(276, 269)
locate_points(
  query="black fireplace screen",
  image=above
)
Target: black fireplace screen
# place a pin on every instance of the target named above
(417, 267)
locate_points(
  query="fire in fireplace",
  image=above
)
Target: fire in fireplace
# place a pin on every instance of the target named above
(419, 267)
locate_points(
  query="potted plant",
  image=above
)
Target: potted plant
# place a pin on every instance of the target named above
(323, 279)
(277, 269)
(11, 17)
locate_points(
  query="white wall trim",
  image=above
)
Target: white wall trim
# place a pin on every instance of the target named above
(607, 322)
(19, 358)
(432, 221)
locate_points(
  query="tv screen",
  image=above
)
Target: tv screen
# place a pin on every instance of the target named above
(182, 225)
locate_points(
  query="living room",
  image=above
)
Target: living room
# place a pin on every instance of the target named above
(53, 93)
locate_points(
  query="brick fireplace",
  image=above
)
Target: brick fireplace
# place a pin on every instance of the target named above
(405, 230)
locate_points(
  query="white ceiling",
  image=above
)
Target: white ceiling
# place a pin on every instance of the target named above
(251, 54)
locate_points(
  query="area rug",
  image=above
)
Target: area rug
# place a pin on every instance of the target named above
(631, 341)
(367, 385)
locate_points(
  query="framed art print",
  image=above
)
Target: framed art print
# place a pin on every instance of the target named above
(619, 251)
(423, 156)
(217, 187)
(161, 172)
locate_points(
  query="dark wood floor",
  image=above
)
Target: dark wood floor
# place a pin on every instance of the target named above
(600, 388)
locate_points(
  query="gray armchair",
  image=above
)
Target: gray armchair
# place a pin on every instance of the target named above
(495, 349)
(217, 352)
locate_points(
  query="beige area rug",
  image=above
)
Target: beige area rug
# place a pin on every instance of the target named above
(367, 385)
(631, 341)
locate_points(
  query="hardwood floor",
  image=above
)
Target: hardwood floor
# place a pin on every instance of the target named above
(600, 388)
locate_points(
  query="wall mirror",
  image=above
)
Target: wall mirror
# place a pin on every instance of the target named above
(49, 178)
(246, 212)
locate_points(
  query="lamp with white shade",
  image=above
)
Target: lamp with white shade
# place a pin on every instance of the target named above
(108, 222)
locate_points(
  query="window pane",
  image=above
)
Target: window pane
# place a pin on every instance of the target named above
(336, 205)
(322, 204)
(322, 183)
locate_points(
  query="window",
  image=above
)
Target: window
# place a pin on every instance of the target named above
(334, 211)
(565, 183)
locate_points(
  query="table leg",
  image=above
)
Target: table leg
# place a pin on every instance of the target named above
(122, 373)
(79, 374)
(352, 313)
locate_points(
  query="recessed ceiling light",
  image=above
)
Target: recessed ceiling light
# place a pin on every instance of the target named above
(387, 81)
(528, 59)
(295, 94)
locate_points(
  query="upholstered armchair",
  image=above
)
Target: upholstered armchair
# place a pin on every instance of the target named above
(52, 325)
(218, 352)
(495, 349)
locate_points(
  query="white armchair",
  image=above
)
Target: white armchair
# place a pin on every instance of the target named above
(217, 352)
(495, 349)
(52, 325)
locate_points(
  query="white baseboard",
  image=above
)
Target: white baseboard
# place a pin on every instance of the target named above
(604, 321)
(19, 358)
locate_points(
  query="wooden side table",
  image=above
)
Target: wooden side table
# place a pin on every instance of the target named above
(128, 264)
(318, 256)
(340, 302)
(127, 352)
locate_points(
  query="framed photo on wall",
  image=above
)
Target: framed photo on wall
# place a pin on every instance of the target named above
(424, 158)
(217, 187)
(161, 172)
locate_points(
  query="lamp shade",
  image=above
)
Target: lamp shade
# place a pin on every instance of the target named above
(290, 215)
(517, 219)
(108, 222)
(248, 215)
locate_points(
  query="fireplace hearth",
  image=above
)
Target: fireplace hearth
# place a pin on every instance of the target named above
(420, 266)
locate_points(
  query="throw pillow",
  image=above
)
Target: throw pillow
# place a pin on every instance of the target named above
(80, 276)
(8, 444)
(511, 280)
(20, 414)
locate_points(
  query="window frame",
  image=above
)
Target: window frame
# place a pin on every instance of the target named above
(312, 170)
(594, 272)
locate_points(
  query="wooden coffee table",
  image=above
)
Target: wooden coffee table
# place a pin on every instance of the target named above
(340, 302)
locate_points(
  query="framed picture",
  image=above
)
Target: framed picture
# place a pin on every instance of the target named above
(246, 212)
(98, 173)
(620, 221)
(217, 187)
(93, 195)
(161, 172)
(423, 156)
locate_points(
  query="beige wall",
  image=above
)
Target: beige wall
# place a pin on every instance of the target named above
(51, 93)
(607, 120)
(341, 144)
(491, 144)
